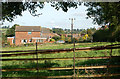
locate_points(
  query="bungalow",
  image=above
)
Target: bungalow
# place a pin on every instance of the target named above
(30, 34)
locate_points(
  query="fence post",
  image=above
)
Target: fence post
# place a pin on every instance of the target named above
(37, 59)
(74, 58)
(108, 69)
(111, 52)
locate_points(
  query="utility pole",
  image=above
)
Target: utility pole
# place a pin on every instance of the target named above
(72, 28)
(73, 41)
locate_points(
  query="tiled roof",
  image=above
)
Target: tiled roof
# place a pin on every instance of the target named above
(28, 28)
(45, 30)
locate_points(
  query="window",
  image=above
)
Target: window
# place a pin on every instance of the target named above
(39, 40)
(29, 33)
(36, 40)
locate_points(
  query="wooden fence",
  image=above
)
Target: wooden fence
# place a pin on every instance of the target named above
(52, 51)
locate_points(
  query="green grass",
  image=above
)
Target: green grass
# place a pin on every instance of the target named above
(58, 63)
(57, 46)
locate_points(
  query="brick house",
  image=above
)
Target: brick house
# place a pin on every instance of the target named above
(30, 34)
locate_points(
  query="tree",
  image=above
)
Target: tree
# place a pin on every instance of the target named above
(58, 31)
(85, 37)
(66, 40)
(5, 27)
(4, 39)
(102, 36)
(89, 32)
(10, 10)
(53, 40)
(11, 31)
(83, 31)
(104, 13)
(56, 38)
(62, 37)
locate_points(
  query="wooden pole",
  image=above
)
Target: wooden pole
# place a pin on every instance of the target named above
(73, 41)
(37, 60)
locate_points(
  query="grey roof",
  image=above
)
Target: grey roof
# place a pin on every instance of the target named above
(28, 28)
(45, 30)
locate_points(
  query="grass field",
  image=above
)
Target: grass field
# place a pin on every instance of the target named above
(61, 63)
(58, 46)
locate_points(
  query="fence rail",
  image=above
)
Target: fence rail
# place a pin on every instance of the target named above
(71, 58)
(61, 68)
(52, 51)
(59, 51)
(67, 76)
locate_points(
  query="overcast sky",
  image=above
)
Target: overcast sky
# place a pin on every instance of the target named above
(51, 18)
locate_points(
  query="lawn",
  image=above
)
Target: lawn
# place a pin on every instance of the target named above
(61, 63)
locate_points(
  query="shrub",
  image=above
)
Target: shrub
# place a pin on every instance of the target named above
(69, 40)
(29, 44)
(56, 38)
(52, 40)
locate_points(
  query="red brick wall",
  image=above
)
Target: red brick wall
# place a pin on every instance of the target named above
(19, 36)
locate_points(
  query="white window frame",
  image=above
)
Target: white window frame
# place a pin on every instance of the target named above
(29, 33)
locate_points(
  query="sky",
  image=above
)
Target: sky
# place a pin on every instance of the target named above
(51, 18)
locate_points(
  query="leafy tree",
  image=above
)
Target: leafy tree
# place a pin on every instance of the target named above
(10, 10)
(5, 27)
(58, 31)
(53, 40)
(80, 39)
(56, 38)
(69, 35)
(101, 36)
(83, 31)
(4, 39)
(104, 13)
(105, 36)
(11, 31)
(76, 40)
(66, 40)
(89, 32)
(69, 40)
(62, 37)
(85, 37)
